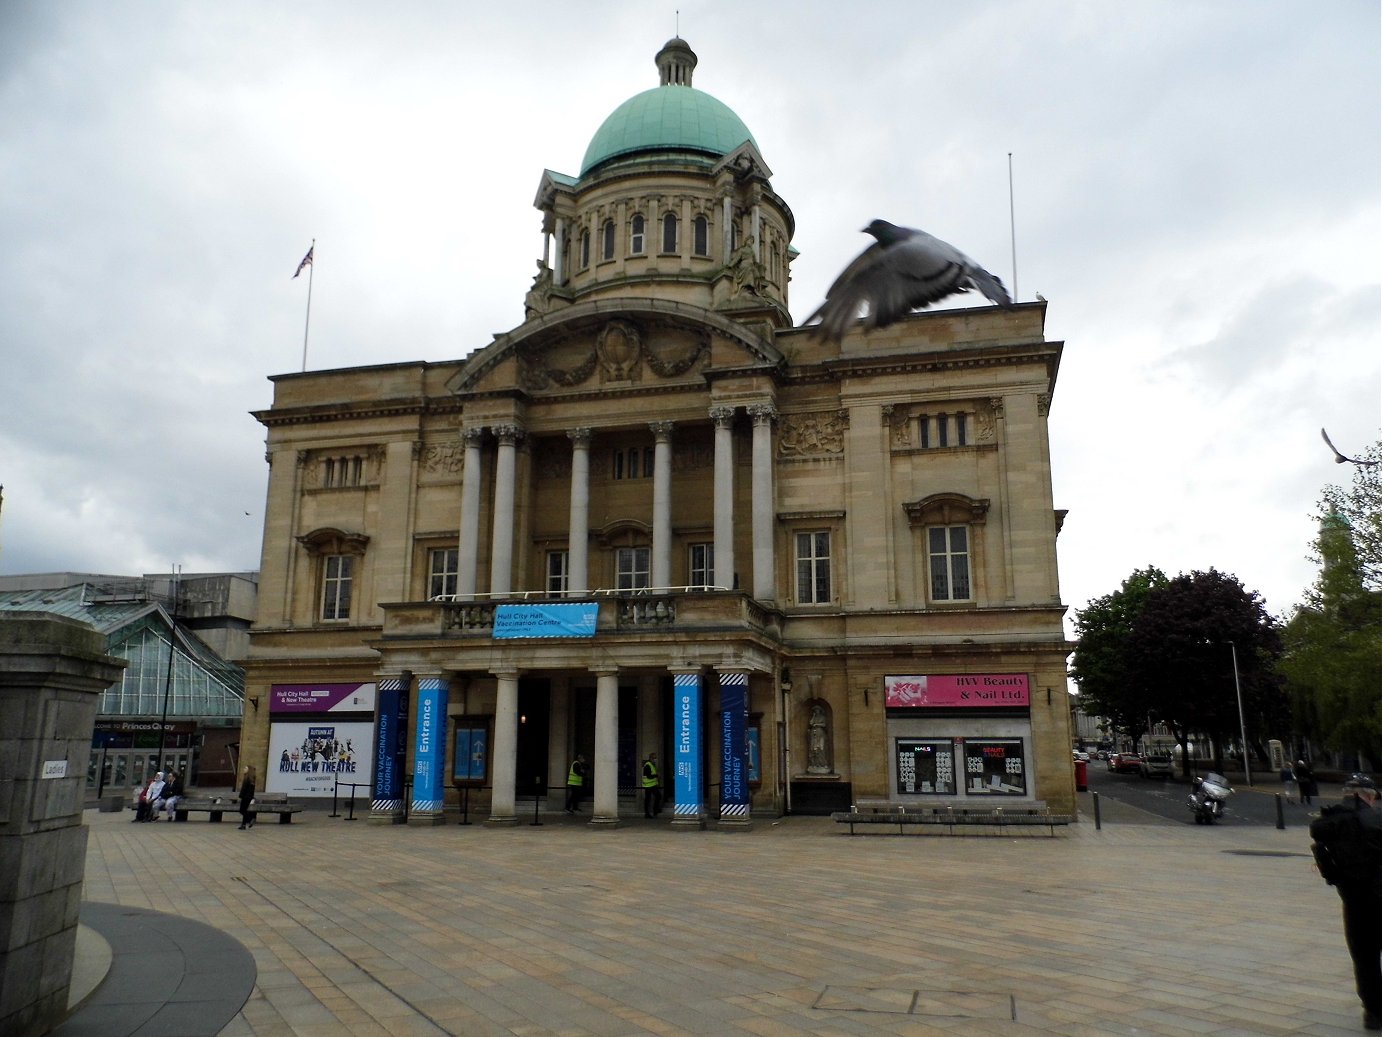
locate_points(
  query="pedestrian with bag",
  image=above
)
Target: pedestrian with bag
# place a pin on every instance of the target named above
(247, 812)
(1348, 850)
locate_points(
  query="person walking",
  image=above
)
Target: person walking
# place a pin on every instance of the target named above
(247, 799)
(652, 787)
(1288, 782)
(575, 784)
(1348, 850)
(1305, 781)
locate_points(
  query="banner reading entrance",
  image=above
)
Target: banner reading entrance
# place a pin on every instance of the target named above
(429, 747)
(687, 785)
(734, 747)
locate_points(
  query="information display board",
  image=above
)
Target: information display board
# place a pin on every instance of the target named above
(925, 766)
(308, 759)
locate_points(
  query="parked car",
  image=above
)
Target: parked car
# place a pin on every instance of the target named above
(1080, 754)
(1156, 766)
(1124, 763)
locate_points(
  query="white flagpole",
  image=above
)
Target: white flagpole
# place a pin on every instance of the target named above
(1012, 225)
(307, 324)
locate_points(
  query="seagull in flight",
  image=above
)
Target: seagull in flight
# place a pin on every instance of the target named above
(1340, 458)
(903, 270)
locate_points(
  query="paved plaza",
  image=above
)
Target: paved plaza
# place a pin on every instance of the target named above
(1143, 927)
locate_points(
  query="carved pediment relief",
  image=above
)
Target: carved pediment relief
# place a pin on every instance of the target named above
(619, 351)
(947, 509)
(812, 435)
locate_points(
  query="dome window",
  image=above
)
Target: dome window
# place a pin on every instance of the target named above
(700, 236)
(607, 240)
(636, 228)
(669, 233)
(585, 249)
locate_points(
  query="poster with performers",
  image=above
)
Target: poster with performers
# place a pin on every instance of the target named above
(308, 759)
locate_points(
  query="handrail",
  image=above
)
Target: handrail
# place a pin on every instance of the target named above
(558, 596)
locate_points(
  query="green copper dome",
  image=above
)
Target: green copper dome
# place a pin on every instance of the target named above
(670, 117)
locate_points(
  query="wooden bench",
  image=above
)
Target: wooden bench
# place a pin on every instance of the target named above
(216, 806)
(873, 815)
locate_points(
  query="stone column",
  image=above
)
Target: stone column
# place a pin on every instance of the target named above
(764, 525)
(662, 504)
(51, 671)
(503, 799)
(724, 495)
(501, 551)
(578, 539)
(606, 762)
(467, 558)
(727, 221)
(559, 263)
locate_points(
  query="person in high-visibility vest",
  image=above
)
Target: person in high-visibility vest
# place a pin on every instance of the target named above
(575, 784)
(652, 787)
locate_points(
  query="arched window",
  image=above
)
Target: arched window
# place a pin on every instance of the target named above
(700, 236)
(585, 249)
(607, 240)
(636, 227)
(669, 233)
(733, 235)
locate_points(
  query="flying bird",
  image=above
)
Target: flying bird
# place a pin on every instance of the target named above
(1340, 458)
(903, 270)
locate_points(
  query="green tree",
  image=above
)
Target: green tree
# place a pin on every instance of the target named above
(1360, 505)
(1333, 642)
(1184, 646)
(1108, 686)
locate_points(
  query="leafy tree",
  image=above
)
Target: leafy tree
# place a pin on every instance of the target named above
(1184, 647)
(1108, 687)
(1360, 505)
(1334, 642)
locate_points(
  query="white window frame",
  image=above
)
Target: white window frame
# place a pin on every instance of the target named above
(812, 564)
(637, 227)
(632, 568)
(946, 566)
(338, 574)
(443, 570)
(700, 564)
(558, 574)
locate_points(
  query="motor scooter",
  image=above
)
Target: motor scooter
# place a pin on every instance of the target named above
(1207, 798)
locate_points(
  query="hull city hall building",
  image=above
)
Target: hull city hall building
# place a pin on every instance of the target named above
(655, 517)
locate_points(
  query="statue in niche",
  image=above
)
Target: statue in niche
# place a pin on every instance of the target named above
(746, 270)
(539, 298)
(818, 754)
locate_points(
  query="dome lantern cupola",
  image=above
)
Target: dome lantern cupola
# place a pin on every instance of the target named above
(675, 62)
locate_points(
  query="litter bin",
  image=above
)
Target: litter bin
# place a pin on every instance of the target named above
(1081, 776)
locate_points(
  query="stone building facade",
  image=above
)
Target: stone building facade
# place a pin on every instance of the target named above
(655, 517)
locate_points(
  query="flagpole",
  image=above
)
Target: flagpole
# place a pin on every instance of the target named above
(1012, 225)
(307, 324)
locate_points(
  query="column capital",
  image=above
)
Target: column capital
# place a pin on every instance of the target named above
(471, 436)
(762, 413)
(579, 436)
(996, 402)
(509, 673)
(661, 429)
(507, 433)
(605, 670)
(722, 415)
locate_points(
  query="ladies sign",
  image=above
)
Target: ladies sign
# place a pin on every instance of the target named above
(957, 691)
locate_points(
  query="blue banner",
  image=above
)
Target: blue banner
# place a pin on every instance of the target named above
(469, 760)
(429, 746)
(734, 746)
(567, 619)
(388, 781)
(687, 785)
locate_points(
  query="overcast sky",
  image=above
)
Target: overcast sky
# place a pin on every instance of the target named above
(1196, 188)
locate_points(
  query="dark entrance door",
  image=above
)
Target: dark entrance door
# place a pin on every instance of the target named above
(530, 775)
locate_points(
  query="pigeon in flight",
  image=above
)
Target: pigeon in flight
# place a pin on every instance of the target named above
(903, 270)
(1340, 458)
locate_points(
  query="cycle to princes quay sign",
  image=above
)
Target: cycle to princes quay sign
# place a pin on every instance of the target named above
(963, 690)
(568, 619)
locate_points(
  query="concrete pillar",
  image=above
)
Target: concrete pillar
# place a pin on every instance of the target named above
(501, 556)
(467, 558)
(764, 581)
(724, 495)
(606, 763)
(662, 504)
(578, 539)
(504, 798)
(51, 671)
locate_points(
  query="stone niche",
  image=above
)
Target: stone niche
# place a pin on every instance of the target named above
(52, 671)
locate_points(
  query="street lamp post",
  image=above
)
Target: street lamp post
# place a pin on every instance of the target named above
(1242, 724)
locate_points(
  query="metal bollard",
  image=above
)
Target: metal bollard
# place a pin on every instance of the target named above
(1280, 813)
(1098, 822)
(537, 795)
(352, 804)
